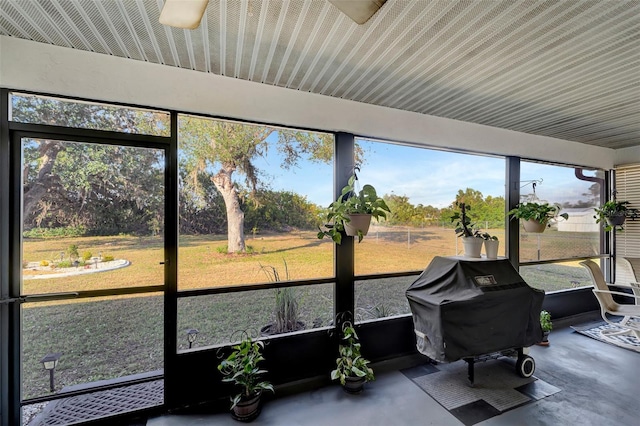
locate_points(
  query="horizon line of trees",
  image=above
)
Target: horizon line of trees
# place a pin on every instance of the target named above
(108, 189)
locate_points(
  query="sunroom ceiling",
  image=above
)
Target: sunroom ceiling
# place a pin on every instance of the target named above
(565, 69)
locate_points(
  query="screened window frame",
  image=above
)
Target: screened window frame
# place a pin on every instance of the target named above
(343, 255)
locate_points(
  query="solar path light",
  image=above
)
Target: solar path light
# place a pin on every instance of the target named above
(192, 335)
(50, 362)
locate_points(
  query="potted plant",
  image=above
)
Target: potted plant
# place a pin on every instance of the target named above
(612, 214)
(352, 370)
(471, 238)
(241, 368)
(536, 216)
(491, 245)
(351, 213)
(547, 326)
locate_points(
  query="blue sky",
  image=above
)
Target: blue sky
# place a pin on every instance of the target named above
(427, 177)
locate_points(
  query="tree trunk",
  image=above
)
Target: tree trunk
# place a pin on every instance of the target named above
(33, 193)
(235, 216)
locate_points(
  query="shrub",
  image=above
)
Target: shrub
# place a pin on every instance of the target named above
(86, 256)
(69, 231)
(72, 251)
(44, 263)
(107, 258)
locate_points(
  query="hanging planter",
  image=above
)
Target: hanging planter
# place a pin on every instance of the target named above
(612, 215)
(616, 220)
(536, 216)
(351, 213)
(533, 226)
(358, 224)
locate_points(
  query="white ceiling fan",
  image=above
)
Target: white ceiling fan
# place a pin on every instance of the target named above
(188, 13)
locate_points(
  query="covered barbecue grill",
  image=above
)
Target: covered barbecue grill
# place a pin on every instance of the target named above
(466, 308)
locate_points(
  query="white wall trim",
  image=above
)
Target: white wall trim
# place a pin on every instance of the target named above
(627, 156)
(27, 65)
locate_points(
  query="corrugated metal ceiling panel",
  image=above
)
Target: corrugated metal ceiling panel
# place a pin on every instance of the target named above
(569, 70)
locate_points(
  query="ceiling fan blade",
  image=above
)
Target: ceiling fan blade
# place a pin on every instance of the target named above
(358, 10)
(183, 13)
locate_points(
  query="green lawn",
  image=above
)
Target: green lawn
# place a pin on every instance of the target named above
(112, 337)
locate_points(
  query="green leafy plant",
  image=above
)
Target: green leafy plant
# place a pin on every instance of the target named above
(464, 226)
(241, 368)
(287, 311)
(539, 212)
(608, 210)
(488, 237)
(70, 231)
(72, 251)
(350, 363)
(225, 250)
(86, 256)
(365, 201)
(107, 258)
(377, 311)
(545, 321)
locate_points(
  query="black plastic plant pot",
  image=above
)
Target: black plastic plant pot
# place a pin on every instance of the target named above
(616, 220)
(354, 385)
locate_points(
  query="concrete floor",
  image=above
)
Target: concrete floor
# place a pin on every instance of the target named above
(600, 385)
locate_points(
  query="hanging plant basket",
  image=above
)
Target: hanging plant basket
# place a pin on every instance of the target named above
(357, 222)
(533, 226)
(616, 220)
(352, 211)
(535, 216)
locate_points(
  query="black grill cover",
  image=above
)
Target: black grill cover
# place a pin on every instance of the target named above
(464, 308)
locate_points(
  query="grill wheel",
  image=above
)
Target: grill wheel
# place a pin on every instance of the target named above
(525, 366)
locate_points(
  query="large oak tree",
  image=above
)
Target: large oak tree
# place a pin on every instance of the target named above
(226, 151)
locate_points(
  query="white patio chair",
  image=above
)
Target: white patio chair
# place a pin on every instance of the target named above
(627, 267)
(630, 313)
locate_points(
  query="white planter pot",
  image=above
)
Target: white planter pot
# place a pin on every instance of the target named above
(472, 246)
(491, 248)
(357, 222)
(533, 226)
